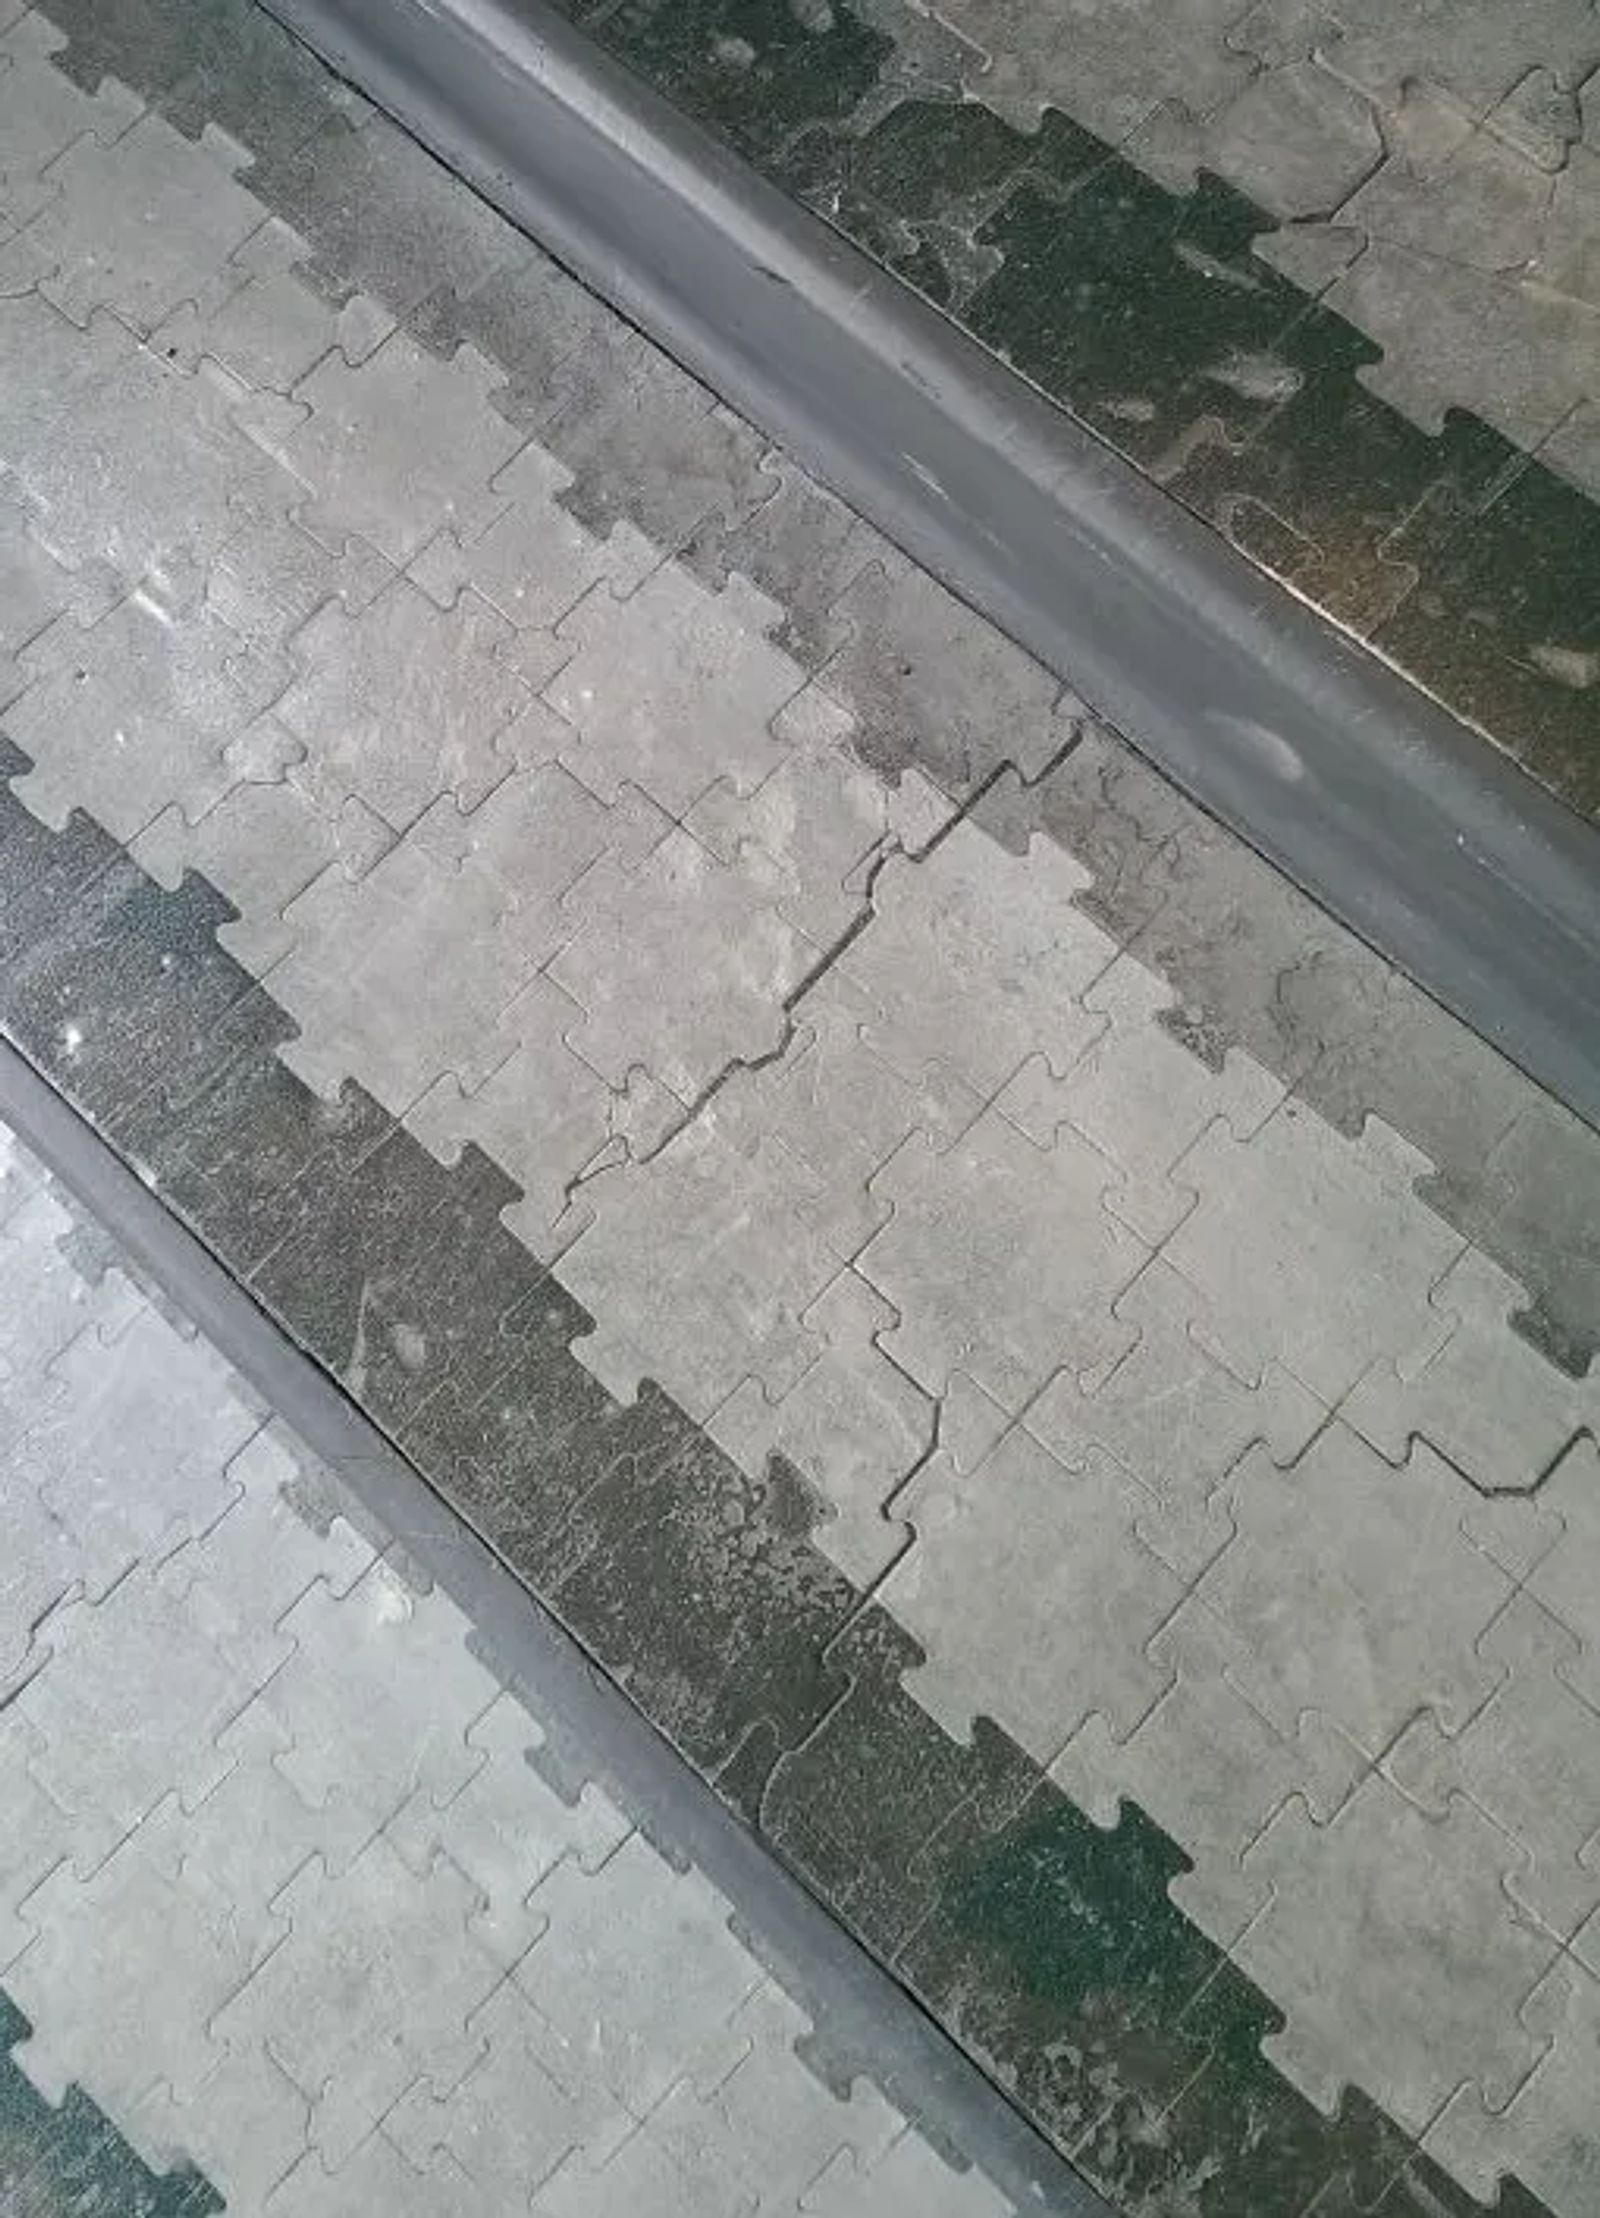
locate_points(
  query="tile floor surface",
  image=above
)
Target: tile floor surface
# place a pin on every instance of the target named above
(906, 1178)
(1328, 270)
(290, 1920)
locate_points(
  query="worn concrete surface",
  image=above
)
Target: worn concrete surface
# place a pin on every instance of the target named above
(988, 1314)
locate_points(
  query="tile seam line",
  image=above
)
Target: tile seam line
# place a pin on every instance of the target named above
(1409, 827)
(793, 1929)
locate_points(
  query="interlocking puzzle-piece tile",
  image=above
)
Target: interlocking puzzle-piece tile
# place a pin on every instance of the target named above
(46, 1301)
(995, 1255)
(244, 2124)
(132, 1451)
(372, 1985)
(1530, 1759)
(673, 688)
(128, 1711)
(542, 1114)
(533, 562)
(1545, 2133)
(1031, 1594)
(666, 1570)
(135, 714)
(1509, 352)
(403, 702)
(64, 864)
(1109, 66)
(653, 2170)
(646, 443)
(523, 312)
(955, 1376)
(46, 113)
(1054, 1894)
(528, 2102)
(1241, 2115)
(1309, 1249)
(1482, 206)
(1149, 1393)
(375, 1703)
(1296, 140)
(408, 934)
(1485, 56)
(1208, 1768)
(1516, 1531)
(128, 988)
(37, 1836)
(1541, 117)
(639, 2022)
(814, 832)
(277, 1539)
(698, 1269)
(399, 446)
(268, 842)
(876, 1806)
(927, 681)
(231, 1140)
(770, 2121)
(974, 960)
(1563, 1577)
(1140, 1097)
(1474, 1389)
(802, 547)
(841, 1110)
(1311, 255)
(1391, 1946)
(35, 588)
(41, 1569)
(910, 2177)
(1253, 961)
(1585, 1943)
(1355, 1590)
(271, 577)
(377, 2176)
(505, 1828)
(853, 1425)
(537, 839)
(682, 966)
(1536, 1208)
(1401, 1057)
(522, 1429)
(1566, 261)
(152, 1921)
(376, 216)
(548, 1119)
(128, 462)
(397, 1275)
(143, 224)
(971, 1422)
(258, 317)
(21, 264)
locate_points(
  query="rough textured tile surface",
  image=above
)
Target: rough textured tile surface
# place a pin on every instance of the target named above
(975, 1311)
(1274, 253)
(354, 1946)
